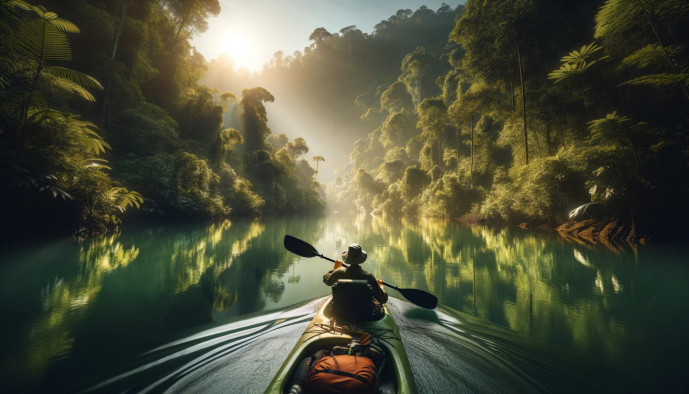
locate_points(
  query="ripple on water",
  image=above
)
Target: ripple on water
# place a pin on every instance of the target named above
(449, 351)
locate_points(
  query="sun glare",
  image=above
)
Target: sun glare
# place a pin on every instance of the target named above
(241, 50)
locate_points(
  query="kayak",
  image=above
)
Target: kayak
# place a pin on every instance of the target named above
(323, 333)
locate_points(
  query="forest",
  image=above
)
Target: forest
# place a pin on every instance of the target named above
(554, 114)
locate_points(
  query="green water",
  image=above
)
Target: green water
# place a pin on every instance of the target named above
(74, 311)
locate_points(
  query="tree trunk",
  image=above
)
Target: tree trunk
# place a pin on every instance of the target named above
(521, 81)
(509, 70)
(547, 138)
(119, 30)
(183, 22)
(471, 167)
(114, 53)
(457, 153)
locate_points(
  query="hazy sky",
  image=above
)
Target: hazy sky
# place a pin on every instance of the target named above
(252, 30)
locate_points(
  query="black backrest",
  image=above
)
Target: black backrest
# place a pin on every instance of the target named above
(353, 300)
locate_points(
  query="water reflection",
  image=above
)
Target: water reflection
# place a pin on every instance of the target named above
(74, 311)
(610, 307)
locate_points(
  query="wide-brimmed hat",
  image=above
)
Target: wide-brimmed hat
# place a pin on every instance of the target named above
(354, 254)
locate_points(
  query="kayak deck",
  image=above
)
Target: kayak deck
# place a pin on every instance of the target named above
(324, 332)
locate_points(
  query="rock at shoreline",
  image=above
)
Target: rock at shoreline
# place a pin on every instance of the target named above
(599, 231)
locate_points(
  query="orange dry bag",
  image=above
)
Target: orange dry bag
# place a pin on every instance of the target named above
(342, 374)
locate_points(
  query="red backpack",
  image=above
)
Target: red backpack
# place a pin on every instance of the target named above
(342, 374)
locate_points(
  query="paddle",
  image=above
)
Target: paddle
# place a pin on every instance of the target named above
(419, 297)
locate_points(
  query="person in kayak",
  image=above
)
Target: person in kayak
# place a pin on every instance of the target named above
(355, 256)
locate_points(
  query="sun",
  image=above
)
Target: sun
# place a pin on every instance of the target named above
(241, 50)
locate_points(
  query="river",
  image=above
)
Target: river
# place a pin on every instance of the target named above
(217, 307)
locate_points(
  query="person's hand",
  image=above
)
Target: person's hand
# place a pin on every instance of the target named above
(380, 282)
(338, 264)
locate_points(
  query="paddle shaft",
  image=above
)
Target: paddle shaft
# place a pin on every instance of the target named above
(346, 266)
(416, 296)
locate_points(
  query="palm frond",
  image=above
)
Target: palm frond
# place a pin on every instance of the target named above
(565, 71)
(662, 79)
(121, 198)
(92, 141)
(580, 210)
(95, 145)
(651, 54)
(96, 163)
(67, 86)
(82, 79)
(64, 25)
(616, 16)
(611, 118)
(37, 103)
(582, 54)
(37, 39)
(672, 7)
(19, 4)
(576, 62)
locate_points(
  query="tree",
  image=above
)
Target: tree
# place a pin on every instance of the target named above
(223, 144)
(618, 17)
(40, 41)
(255, 118)
(318, 159)
(191, 15)
(319, 35)
(433, 121)
(396, 98)
(491, 46)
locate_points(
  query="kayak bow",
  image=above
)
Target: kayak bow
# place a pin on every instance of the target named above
(324, 333)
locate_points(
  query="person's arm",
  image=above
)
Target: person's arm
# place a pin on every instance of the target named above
(379, 291)
(334, 274)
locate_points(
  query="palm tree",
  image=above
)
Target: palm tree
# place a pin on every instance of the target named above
(317, 159)
(40, 41)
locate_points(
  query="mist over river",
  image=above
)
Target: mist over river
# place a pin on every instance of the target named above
(217, 308)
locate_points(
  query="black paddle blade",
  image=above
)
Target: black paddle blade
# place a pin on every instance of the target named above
(421, 298)
(297, 246)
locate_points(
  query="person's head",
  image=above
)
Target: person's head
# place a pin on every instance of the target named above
(354, 254)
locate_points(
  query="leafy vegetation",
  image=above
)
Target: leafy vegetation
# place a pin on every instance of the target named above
(505, 111)
(497, 124)
(68, 166)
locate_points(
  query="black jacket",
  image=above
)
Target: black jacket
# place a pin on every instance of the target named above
(355, 271)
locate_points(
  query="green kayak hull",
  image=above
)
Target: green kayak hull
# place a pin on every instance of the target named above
(324, 333)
